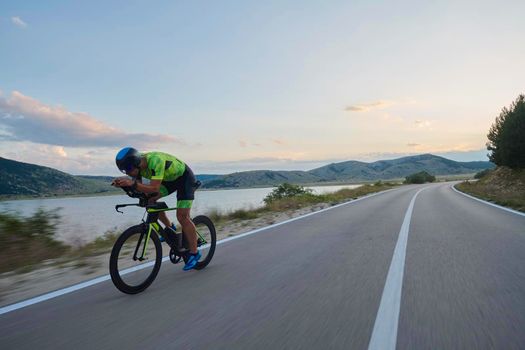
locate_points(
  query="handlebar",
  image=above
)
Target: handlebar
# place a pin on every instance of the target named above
(143, 198)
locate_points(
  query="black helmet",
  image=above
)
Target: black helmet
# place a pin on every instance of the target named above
(127, 159)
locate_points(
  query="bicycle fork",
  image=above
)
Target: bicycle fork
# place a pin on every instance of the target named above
(152, 226)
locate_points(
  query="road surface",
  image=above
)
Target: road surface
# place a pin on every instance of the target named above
(318, 283)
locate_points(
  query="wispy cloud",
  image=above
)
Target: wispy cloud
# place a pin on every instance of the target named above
(365, 107)
(17, 21)
(279, 142)
(243, 143)
(92, 161)
(392, 119)
(422, 123)
(26, 119)
(413, 144)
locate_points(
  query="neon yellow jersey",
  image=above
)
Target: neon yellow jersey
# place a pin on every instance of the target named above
(162, 166)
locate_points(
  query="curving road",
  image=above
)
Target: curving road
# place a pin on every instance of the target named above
(446, 272)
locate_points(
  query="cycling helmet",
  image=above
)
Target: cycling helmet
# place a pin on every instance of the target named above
(127, 159)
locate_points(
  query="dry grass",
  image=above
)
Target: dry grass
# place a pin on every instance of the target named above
(503, 186)
(300, 201)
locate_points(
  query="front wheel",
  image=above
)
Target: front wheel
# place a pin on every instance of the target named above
(206, 240)
(135, 260)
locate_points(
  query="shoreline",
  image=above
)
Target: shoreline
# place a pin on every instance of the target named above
(450, 177)
(117, 193)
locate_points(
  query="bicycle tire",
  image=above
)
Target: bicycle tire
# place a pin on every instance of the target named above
(204, 220)
(113, 261)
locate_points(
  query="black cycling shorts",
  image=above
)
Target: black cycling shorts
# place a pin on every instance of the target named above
(185, 186)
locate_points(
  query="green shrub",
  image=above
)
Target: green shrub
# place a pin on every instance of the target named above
(27, 241)
(419, 178)
(482, 173)
(287, 190)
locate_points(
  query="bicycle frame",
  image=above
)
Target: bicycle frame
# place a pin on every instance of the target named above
(151, 220)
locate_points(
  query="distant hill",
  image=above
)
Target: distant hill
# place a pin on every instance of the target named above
(206, 177)
(397, 168)
(351, 171)
(23, 179)
(260, 178)
(29, 180)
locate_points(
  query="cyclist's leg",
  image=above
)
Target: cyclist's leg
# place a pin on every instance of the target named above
(163, 192)
(185, 197)
(188, 227)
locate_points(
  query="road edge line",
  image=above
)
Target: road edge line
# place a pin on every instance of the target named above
(97, 280)
(486, 202)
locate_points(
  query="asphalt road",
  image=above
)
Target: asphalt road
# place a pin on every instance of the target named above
(315, 283)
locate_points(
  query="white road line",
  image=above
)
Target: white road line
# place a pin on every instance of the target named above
(101, 279)
(488, 203)
(384, 335)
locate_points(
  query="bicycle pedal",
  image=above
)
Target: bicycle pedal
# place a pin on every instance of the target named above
(182, 251)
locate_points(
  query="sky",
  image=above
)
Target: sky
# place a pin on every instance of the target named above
(241, 85)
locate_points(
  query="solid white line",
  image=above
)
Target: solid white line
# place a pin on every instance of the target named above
(384, 335)
(97, 280)
(488, 203)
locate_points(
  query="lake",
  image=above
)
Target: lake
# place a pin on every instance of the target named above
(85, 218)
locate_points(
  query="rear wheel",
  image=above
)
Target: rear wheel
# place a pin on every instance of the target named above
(135, 260)
(206, 240)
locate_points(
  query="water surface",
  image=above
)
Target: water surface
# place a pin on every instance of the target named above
(85, 218)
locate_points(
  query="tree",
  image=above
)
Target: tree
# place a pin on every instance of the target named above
(507, 136)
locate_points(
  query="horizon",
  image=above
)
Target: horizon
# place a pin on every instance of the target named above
(241, 86)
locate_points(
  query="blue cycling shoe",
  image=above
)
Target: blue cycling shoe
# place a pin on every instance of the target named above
(192, 261)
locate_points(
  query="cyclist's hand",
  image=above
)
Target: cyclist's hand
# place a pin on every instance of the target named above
(122, 182)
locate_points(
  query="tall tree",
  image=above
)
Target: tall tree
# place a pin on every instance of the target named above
(507, 136)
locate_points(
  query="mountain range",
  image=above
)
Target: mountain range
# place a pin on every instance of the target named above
(351, 171)
(29, 180)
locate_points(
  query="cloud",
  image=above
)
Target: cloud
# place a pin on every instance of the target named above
(387, 117)
(365, 107)
(422, 123)
(279, 142)
(243, 143)
(17, 21)
(58, 151)
(246, 144)
(26, 119)
(89, 161)
(413, 144)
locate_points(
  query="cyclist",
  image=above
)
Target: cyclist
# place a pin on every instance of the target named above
(167, 174)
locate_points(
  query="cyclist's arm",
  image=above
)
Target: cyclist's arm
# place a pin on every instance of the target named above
(157, 166)
(154, 186)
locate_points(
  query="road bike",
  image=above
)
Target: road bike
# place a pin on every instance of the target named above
(138, 252)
